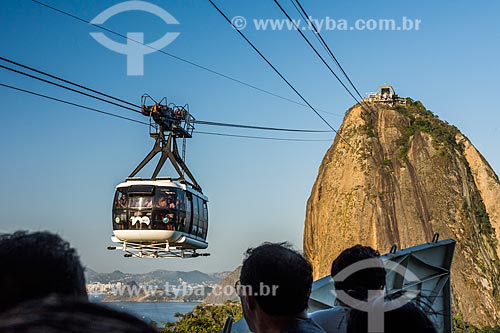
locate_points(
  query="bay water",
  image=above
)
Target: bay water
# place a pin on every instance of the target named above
(160, 312)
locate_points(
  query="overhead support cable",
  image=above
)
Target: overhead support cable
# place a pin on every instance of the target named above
(314, 49)
(277, 71)
(68, 82)
(201, 122)
(72, 104)
(228, 77)
(147, 124)
(264, 138)
(271, 65)
(67, 88)
(306, 16)
(211, 123)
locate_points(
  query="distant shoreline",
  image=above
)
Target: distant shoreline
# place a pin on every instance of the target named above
(145, 301)
(105, 298)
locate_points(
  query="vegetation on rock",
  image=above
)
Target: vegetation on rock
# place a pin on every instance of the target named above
(424, 120)
(203, 319)
(459, 326)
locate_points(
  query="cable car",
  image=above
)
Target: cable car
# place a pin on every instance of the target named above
(162, 217)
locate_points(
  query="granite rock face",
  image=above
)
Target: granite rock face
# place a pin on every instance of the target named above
(397, 175)
(224, 291)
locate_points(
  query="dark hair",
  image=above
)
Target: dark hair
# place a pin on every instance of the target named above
(59, 314)
(358, 283)
(408, 318)
(36, 265)
(277, 264)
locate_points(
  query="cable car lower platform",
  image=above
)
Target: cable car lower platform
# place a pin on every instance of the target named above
(155, 250)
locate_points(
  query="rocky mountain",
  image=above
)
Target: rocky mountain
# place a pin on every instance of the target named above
(398, 174)
(90, 274)
(224, 290)
(157, 277)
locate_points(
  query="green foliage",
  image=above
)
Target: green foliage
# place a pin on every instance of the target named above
(479, 210)
(387, 163)
(424, 120)
(368, 129)
(460, 326)
(204, 318)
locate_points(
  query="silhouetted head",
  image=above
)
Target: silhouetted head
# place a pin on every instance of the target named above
(58, 315)
(286, 274)
(38, 264)
(358, 283)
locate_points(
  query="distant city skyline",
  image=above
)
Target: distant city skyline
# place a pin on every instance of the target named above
(61, 164)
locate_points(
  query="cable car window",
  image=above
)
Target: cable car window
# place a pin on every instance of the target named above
(167, 214)
(141, 190)
(167, 198)
(140, 220)
(196, 216)
(165, 220)
(204, 236)
(205, 211)
(182, 200)
(140, 202)
(199, 230)
(120, 210)
(158, 220)
(205, 220)
(188, 223)
(120, 220)
(121, 198)
(195, 208)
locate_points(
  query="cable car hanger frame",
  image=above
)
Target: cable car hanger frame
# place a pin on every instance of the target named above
(166, 125)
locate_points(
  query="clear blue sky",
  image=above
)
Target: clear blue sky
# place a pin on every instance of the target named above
(60, 164)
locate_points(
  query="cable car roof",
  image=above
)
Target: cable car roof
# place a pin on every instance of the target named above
(161, 182)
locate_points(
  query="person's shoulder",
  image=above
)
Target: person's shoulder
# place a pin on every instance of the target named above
(311, 326)
(335, 311)
(304, 326)
(331, 320)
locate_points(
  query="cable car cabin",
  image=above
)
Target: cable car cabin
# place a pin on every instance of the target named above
(149, 212)
(162, 217)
